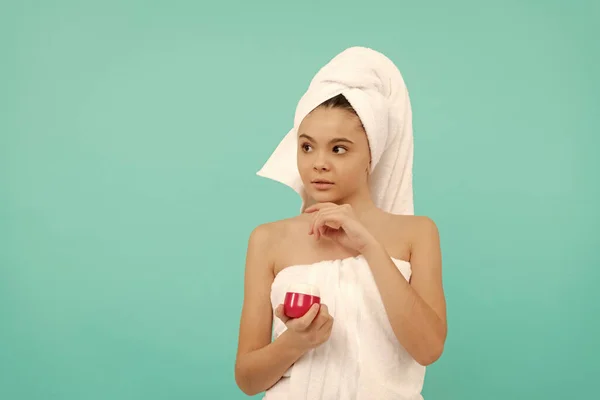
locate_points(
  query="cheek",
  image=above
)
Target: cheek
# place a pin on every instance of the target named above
(351, 173)
(357, 167)
(303, 164)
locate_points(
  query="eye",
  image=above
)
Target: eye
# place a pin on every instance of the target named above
(306, 147)
(341, 150)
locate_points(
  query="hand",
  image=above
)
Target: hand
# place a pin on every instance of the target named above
(338, 223)
(310, 330)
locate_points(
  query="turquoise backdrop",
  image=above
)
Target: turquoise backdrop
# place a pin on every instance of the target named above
(130, 134)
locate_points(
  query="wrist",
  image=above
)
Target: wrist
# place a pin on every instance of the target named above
(373, 249)
(291, 345)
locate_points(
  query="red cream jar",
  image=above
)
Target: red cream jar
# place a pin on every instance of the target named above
(299, 299)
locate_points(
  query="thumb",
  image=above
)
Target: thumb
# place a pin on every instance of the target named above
(280, 314)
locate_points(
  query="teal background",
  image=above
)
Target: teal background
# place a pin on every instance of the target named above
(130, 134)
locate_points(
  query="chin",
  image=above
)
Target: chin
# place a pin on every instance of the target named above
(323, 197)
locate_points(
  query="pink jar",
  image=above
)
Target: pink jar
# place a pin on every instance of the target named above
(299, 298)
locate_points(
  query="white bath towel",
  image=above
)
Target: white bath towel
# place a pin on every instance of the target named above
(362, 359)
(376, 90)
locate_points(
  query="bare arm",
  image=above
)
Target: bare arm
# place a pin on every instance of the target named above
(260, 363)
(417, 311)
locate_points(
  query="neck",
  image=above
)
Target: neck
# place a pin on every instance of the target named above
(361, 203)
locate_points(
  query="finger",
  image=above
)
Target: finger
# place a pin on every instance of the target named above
(318, 223)
(311, 230)
(313, 225)
(327, 327)
(328, 232)
(280, 314)
(323, 317)
(328, 322)
(319, 206)
(311, 209)
(328, 318)
(324, 333)
(305, 320)
(278, 311)
(331, 219)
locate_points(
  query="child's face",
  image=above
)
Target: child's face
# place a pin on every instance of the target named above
(332, 146)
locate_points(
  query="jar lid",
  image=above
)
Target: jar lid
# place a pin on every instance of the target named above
(304, 288)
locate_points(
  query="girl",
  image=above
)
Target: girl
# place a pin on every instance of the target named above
(382, 318)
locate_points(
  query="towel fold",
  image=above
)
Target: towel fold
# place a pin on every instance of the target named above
(376, 90)
(362, 359)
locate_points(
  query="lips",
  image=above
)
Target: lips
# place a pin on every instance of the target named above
(322, 184)
(322, 181)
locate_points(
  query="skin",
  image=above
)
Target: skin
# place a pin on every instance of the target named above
(342, 221)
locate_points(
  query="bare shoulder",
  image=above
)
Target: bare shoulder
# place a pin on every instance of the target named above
(421, 232)
(262, 235)
(417, 225)
(424, 225)
(426, 233)
(270, 230)
(269, 235)
(259, 254)
(413, 220)
(286, 226)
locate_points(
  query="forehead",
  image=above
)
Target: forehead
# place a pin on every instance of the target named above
(323, 124)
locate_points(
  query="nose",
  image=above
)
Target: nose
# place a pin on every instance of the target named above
(321, 164)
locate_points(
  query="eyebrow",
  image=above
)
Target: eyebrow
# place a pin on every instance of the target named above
(334, 140)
